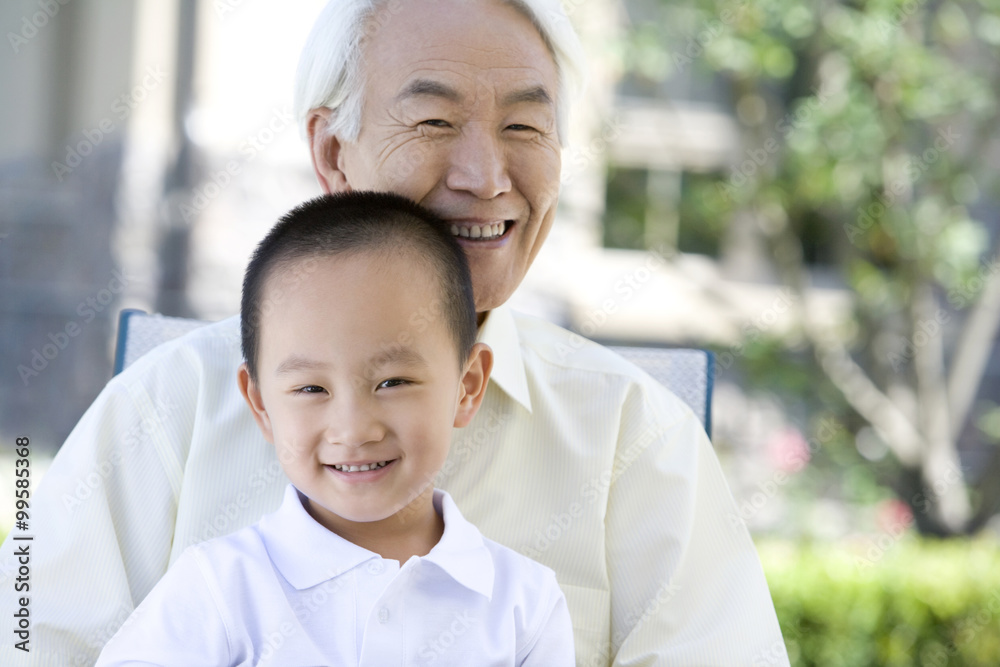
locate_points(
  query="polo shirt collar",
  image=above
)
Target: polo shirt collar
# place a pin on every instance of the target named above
(303, 550)
(500, 332)
(461, 552)
(307, 554)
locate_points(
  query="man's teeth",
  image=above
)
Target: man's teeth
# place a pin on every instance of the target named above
(361, 468)
(478, 231)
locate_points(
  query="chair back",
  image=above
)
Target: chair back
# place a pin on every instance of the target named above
(688, 372)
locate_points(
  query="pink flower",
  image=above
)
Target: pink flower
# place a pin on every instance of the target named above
(892, 514)
(788, 450)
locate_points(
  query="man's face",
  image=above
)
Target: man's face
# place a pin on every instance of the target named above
(459, 115)
(351, 374)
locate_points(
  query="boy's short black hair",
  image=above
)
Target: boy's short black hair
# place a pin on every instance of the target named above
(350, 223)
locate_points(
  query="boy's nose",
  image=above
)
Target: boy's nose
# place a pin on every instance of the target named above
(353, 424)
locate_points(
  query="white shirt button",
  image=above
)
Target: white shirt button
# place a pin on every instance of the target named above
(375, 567)
(383, 615)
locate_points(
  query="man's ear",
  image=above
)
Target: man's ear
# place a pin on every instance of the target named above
(251, 393)
(325, 149)
(473, 386)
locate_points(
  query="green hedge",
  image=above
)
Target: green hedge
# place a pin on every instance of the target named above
(887, 602)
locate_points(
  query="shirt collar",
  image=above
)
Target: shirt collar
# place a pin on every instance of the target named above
(500, 333)
(307, 554)
(461, 552)
(304, 551)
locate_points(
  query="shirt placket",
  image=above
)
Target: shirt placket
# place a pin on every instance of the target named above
(379, 617)
(383, 642)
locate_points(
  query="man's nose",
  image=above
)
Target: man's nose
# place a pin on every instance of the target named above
(479, 163)
(353, 423)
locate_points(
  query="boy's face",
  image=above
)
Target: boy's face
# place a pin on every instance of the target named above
(355, 369)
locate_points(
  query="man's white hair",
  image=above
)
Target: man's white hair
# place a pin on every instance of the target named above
(329, 72)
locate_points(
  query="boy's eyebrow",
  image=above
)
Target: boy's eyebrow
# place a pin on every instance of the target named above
(398, 355)
(297, 362)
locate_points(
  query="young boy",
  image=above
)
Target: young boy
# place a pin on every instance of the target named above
(358, 331)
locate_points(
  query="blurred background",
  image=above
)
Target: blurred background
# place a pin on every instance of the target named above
(810, 190)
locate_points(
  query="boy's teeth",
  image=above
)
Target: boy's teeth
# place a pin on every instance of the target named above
(478, 231)
(361, 468)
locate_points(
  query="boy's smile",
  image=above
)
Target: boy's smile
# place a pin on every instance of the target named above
(358, 390)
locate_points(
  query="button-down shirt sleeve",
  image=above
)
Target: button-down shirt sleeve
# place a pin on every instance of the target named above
(702, 599)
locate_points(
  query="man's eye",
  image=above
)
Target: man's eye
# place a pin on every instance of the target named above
(436, 122)
(517, 127)
(392, 382)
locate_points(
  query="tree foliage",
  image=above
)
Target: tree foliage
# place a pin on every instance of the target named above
(869, 145)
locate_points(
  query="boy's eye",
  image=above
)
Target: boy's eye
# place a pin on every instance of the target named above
(392, 382)
(310, 389)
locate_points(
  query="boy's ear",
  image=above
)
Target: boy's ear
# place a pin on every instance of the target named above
(473, 386)
(253, 398)
(325, 151)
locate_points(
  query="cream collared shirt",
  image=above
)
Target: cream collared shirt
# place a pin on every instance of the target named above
(576, 459)
(288, 592)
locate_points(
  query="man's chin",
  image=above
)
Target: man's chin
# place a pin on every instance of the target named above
(489, 300)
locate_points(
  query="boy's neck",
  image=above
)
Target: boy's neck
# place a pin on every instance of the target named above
(412, 531)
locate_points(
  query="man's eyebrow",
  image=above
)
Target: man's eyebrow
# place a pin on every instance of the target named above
(429, 88)
(533, 95)
(297, 362)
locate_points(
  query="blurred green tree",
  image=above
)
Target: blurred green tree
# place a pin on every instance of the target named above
(867, 130)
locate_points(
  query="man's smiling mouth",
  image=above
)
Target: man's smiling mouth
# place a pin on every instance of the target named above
(489, 231)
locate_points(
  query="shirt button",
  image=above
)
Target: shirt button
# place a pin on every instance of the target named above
(383, 615)
(375, 567)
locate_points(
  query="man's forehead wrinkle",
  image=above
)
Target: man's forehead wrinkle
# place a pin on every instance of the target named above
(440, 70)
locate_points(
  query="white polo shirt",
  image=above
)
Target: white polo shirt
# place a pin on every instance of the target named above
(287, 591)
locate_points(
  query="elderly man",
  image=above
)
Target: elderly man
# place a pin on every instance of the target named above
(578, 460)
